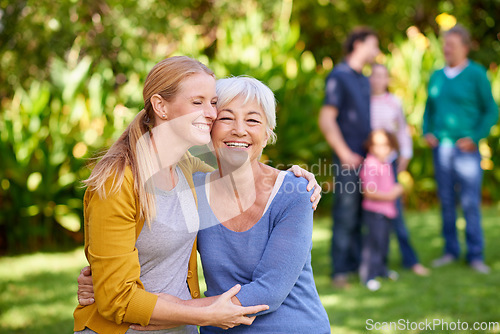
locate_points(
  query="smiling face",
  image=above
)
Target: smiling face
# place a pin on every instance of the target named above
(239, 133)
(193, 110)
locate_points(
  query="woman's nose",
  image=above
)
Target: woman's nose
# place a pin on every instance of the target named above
(210, 112)
(239, 128)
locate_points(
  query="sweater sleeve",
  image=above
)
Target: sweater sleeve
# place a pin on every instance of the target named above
(428, 126)
(111, 223)
(403, 134)
(286, 253)
(488, 108)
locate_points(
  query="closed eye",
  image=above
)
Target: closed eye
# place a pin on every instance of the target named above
(254, 121)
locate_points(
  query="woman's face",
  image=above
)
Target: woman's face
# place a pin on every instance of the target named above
(239, 133)
(379, 80)
(193, 110)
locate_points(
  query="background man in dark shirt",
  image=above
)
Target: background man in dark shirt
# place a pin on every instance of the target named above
(345, 122)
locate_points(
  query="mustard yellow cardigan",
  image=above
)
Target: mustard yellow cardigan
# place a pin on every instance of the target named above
(112, 226)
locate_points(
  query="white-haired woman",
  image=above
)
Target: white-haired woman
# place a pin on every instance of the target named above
(256, 221)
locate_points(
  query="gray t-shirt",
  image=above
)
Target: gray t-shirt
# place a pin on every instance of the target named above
(165, 248)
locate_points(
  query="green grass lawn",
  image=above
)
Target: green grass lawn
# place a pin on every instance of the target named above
(38, 292)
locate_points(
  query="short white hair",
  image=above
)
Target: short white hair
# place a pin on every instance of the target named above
(250, 89)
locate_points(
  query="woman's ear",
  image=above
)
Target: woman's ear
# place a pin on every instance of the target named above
(159, 106)
(267, 139)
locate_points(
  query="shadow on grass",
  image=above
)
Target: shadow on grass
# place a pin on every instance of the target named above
(449, 294)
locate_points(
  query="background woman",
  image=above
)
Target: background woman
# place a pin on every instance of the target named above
(386, 112)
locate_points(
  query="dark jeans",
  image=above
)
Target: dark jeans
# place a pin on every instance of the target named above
(375, 246)
(346, 212)
(459, 174)
(408, 255)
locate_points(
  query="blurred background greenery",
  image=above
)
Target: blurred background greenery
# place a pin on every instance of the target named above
(71, 75)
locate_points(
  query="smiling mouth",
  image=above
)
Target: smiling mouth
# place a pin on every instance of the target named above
(237, 144)
(202, 126)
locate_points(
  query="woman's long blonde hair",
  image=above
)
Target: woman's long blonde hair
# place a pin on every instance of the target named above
(163, 79)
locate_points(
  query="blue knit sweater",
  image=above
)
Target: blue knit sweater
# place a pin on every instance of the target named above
(272, 262)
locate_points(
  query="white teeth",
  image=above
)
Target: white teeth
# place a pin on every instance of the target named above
(237, 145)
(202, 126)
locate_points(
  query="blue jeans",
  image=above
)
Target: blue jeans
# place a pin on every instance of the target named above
(459, 174)
(346, 212)
(408, 255)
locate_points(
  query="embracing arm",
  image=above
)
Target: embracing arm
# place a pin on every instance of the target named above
(119, 294)
(313, 184)
(286, 253)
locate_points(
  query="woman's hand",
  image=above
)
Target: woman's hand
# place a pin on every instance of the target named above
(221, 313)
(224, 314)
(85, 287)
(301, 172)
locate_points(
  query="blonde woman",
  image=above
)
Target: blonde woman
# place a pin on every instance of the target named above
(139, 233)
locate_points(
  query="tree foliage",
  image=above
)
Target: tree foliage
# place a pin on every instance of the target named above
(71, 75)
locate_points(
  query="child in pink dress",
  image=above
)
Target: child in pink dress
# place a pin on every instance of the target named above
(380, 192)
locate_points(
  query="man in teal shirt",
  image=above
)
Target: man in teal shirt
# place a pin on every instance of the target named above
(460, 111)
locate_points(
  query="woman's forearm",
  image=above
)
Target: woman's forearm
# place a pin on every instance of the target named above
(169, 313)
(199, 302)
(218, 311)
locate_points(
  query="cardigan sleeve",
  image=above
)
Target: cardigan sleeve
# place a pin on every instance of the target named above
(111, 223)
(286, 253)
